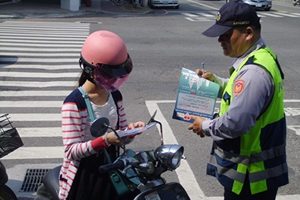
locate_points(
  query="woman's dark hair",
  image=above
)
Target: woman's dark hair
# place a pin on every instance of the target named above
(83, 77)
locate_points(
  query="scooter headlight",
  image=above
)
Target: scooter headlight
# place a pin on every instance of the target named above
(169, 155)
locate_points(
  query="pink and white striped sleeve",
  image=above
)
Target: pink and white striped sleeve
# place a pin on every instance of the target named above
(73, 121)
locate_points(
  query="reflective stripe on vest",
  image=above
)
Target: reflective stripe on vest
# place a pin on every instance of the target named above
(251, 157)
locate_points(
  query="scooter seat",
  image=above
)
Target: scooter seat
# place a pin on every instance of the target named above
(51, 181)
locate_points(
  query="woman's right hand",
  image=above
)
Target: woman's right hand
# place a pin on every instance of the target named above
(205, 74)
(111, 138)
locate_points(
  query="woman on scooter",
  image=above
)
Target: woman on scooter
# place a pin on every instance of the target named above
(105, 65)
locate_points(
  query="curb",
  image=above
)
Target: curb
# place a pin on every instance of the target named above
(19, 11)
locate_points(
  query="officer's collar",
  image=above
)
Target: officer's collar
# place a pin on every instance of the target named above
(257, 45)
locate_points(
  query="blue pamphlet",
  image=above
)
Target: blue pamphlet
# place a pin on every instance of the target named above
(195, 96)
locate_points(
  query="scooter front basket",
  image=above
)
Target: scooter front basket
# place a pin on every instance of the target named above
(10, 139)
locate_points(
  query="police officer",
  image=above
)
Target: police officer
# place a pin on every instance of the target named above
(249, 136)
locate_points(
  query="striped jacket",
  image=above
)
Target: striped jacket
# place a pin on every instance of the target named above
(77, 142)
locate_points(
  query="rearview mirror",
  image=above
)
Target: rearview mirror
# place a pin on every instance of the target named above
(99, 127)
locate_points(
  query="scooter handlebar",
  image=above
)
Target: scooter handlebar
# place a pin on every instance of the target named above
(119, 164)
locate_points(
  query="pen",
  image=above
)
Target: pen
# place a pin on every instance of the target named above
(203, 63)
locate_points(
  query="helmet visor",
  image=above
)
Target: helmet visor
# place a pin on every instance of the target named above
(109, 71)
(115, 71)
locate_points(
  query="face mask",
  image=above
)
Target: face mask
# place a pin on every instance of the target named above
(110, 84)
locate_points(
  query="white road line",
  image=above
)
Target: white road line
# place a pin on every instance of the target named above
(30, 27)
(285, 14)
(30, 93)
(204, 5)
(184, 172)
(40, 132)
(14, 41)
(44, 66)
(45, 55)
(295, 128)
(34, 49)
(7, 16)
(43, 24)
(31, 104)
(63, 39)
(206, 15)
(39, 60)
(292, 101)
(190, 19)
(39, 32)
(39, 75)
(37, 84)
(197, 17)
(28, 117)
(292, 111)
(36, 153)
(190, 15)
(44, 35)
(36, 45)
(269, 14)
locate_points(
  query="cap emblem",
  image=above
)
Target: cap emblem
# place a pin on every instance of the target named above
(218, 16)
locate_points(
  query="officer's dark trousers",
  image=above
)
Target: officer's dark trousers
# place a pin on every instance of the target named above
(246, 194)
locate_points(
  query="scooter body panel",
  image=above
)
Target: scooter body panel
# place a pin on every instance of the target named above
(3, 174)
(51, 182)
(169, 191)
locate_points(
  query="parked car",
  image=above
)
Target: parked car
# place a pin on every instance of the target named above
(260, 4)
(163, 3)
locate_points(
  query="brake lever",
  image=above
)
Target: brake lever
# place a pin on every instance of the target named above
(152, 118)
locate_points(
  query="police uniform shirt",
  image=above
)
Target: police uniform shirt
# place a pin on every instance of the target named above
(255, 94)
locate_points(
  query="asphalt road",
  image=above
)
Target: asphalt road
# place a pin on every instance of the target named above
(160, 43)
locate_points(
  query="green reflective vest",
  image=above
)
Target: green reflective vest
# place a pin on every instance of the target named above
(261, 152)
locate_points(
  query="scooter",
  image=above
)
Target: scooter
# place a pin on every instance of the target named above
(140, 170)
(5, 192)
(9, 141)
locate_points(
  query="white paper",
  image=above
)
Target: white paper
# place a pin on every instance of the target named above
(135, 131)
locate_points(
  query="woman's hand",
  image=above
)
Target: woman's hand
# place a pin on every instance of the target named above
(111, 138)
(129, 139)
(138, 124)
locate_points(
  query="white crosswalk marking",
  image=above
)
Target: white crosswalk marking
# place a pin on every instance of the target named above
(34, 93)
(38, 60)
(196, 17)
(48, 67)
(286, 14)
(268, 14)
(36, 74)
(204, 16)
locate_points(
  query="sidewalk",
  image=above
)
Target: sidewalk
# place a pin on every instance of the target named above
(52, 9)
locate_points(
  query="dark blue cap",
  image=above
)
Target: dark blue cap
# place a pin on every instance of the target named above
(233, 14)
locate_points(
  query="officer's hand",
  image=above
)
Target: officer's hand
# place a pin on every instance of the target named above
(111, 138)
(197, 125)
(205, 74)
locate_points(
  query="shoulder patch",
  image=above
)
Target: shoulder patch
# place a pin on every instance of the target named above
(238, 87)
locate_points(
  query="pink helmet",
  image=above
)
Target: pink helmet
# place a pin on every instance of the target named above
(104, 57)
